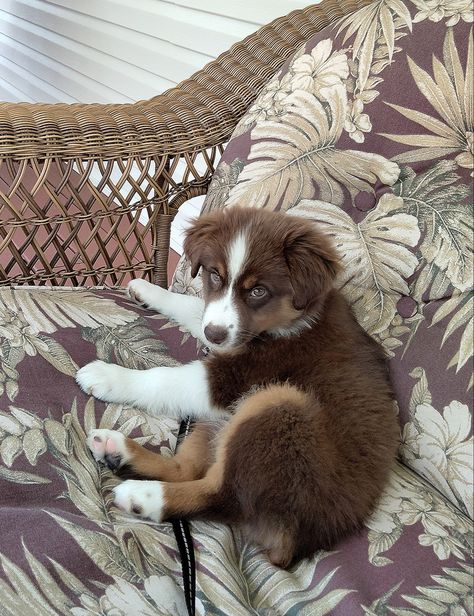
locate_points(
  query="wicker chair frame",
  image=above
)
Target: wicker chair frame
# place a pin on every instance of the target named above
(74, 179)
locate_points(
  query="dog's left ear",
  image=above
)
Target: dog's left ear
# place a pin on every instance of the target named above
(196, 240)
(313, 264)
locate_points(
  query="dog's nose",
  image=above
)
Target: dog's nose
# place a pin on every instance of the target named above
(215, 333)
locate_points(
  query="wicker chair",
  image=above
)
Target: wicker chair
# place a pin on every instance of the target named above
(74, 179)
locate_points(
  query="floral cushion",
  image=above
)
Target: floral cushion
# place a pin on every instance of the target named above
(368, 130)
(65, 549)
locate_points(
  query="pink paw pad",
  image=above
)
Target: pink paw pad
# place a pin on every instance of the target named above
(110, 446)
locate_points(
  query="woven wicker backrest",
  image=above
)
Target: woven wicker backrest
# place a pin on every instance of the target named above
(88, 192)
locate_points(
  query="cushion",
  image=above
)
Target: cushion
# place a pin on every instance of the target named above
(66, 549)
(368, 130)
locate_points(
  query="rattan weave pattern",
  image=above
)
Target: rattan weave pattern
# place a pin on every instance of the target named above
(74, 179)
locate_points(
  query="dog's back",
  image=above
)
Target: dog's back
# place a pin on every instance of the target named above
(314, 446)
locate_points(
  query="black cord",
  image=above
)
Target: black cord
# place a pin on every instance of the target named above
(184, 540)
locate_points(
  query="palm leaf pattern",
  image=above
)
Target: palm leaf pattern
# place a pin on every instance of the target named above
(444, 209)
(459, 308)
(287, 157)
(441, 204)
(410, 500)
(375, 268)
(26, 316)
(450, 91)
(450, 593)
(368, 24)
(61, 308)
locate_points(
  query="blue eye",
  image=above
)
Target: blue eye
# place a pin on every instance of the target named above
(258, 292)
(215, 278)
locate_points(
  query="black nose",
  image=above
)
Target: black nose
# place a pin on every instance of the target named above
(215, 334)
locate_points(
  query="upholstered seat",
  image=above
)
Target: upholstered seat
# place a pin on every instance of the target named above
(368, 131)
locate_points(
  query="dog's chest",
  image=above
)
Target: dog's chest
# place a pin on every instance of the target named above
(263, 363)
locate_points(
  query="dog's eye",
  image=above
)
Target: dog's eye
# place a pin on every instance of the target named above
(216, 279)
(258, 292)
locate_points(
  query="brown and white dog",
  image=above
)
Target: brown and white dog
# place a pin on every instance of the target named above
(311, 433)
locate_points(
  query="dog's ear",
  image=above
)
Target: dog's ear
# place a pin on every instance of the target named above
(196, 240)
(192, 246)
(313, 264)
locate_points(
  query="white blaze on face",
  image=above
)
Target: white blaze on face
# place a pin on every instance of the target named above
(222, 312)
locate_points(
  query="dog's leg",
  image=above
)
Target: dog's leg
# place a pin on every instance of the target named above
(201, 498)
(184, 309)
(177, 392)
(207, 499)
(248, 483)
(161, 501)
(128, 459)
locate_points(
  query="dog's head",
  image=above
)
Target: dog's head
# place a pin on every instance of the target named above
(262, 272)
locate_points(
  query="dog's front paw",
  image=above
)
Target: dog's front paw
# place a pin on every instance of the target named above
(143, 498)
(108, 447)
(140, 291)
(104, 381)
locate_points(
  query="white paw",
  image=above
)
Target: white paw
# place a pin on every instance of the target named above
(143, 498)
(104, 381)
(141, 291)
(109, 447)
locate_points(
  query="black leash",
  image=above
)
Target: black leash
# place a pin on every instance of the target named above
(185, 542)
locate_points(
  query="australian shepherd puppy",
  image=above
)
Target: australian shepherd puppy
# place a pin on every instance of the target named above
(309, 432)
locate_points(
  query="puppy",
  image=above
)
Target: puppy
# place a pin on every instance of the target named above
(310, 432)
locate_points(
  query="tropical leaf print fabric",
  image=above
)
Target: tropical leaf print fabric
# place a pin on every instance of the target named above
(368, 131)
(66, 549)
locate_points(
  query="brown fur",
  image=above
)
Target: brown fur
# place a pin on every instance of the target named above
(302, 462)
(191, 461)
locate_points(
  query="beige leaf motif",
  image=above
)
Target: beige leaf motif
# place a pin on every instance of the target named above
(34, 445)
(10, 448)
(444, 209)
(23, 597)
(47, 584)
(10, 424)
(46, 310)
(367, 24)
(27, 419)
(289, 157)
(450, 92)
(375, 255)
(459, 308)
(102, 548)
(223, 180)
(57, 434)
(313, 72)
(446, 594)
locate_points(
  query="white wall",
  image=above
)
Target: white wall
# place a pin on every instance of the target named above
(119, 50)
